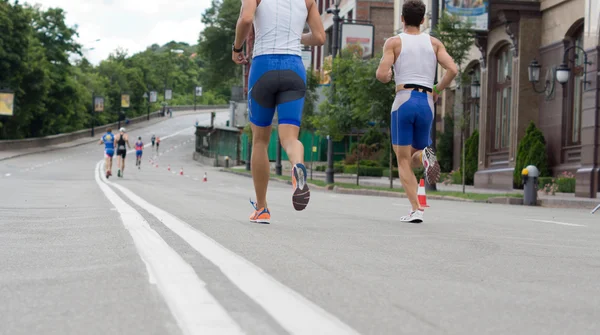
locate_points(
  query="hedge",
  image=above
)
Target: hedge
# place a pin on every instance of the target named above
(419, 173)
(565, 185)
(367, 171)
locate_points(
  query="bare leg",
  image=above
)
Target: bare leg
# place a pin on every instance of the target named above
(406, 174)
(260, 163)
(289, 141)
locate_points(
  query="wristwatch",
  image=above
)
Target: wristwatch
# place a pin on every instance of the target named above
(237, 50)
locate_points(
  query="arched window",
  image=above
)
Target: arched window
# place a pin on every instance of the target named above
(575, 90)
(501, 99)
(471, 101)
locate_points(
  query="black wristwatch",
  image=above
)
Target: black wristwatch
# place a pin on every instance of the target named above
(237, 50)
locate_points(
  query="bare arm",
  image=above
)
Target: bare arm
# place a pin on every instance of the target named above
(244, 23)
(127, 141)
(447, 63)
(316, 36)
(384, 70)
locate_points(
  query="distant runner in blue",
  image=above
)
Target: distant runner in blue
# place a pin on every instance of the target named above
(108, 140)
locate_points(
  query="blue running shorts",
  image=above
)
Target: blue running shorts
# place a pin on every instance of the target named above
(109, 153)
(276, 81)
(412, 116)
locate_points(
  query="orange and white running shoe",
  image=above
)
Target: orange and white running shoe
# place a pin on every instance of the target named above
(260, 215)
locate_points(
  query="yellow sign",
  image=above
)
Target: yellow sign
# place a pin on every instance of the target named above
(314, 149)
(7, 103)
(125, 100)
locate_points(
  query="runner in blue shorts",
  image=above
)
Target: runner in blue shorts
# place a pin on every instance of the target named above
(108, 140)
(414, 57)
(277, 81)
(139, 149)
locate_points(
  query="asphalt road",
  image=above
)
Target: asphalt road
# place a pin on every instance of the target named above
(157, 252)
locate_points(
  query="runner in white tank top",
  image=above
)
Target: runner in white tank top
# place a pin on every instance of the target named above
(277, 80)
(414, 57)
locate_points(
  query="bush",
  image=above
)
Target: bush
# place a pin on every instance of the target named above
(564, 184)
(367, 171)
(338, 167)
(419, 173)
(471, 158)
(531, 151)
(445, 147)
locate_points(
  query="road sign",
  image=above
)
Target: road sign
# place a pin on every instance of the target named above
(7, 103)
(168, 94)
(153, 96)
(98, 104)
(198, 91)
(125, 100)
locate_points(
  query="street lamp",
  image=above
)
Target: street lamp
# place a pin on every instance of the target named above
(562, 72)
(335, 40)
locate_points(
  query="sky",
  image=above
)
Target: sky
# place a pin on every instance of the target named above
(131, 24)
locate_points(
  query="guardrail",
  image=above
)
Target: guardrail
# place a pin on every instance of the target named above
(38, 142)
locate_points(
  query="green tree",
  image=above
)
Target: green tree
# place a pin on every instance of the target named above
(446, 145)
(458, 37)
(531, 151)
(214, 45)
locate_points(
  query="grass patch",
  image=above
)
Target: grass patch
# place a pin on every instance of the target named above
(468, 196)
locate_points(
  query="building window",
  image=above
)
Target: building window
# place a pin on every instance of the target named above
(502, 94)
(575, 90)
(471, 104)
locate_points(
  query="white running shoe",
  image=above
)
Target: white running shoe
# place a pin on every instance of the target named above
(413, 217)
(431, 165)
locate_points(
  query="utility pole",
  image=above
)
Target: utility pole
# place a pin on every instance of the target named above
(335, 46)
(435, 14)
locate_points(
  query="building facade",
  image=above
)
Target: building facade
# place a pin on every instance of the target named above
(379, 13)
(568, 114)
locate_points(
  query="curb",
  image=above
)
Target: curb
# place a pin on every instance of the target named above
(312, 186)
(342, 190)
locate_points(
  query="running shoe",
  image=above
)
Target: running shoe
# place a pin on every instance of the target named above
(260, 215)
(119, 173)
(413, 216)
(431, 165)
(301, 195)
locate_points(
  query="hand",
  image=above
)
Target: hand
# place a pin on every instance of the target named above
(435, 97)
(239, 58)
(390, 75)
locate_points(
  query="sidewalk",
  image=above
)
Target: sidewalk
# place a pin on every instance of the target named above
(560, 200)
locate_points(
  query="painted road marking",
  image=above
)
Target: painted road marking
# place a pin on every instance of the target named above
(291, 310)
(194, 308)
(7, 175)
(556, 222)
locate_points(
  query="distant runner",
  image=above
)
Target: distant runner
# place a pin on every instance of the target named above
(139, 149)
(153, 139)
(157, 143)
(121, 151)
(108, 140)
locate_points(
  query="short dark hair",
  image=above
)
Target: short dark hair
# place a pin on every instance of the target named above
(413, 12)
(108, 130)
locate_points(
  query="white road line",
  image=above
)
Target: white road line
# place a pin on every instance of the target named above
(556, 222)
(295, 313)
(7, 175)
(194, 308)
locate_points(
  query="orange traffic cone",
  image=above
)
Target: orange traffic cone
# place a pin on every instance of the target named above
(169, 168)
(205, 179)
(421, 194)
(181, 172)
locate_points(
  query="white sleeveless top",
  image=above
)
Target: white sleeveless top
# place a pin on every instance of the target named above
(278, 27)
(417, 62)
